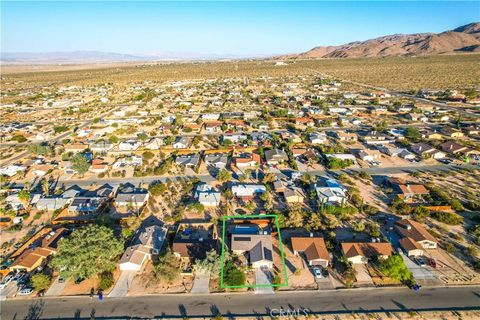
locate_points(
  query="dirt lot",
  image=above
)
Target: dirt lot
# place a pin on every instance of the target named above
(452, 270)
(146, 283)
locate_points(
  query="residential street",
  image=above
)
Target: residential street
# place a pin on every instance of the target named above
(204, 306)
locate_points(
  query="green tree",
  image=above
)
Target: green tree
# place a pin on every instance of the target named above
(224, 175)
(232, 275)
(18, 138)
(80, 163)
(412, 133)
(24, 196)
(212, 264)
(40, 281)
(395, 268)
(420, 213)
(88, 251)
(60, 129)
(315, 222)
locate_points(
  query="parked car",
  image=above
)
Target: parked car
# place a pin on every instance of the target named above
(8, 278)
(61, 279)
(421, 261)
(317, 272)
(25, 291)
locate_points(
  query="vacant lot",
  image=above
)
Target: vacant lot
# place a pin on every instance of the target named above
(454, 72)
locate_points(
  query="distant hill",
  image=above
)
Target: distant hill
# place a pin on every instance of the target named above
(462, 39)
(87, 57)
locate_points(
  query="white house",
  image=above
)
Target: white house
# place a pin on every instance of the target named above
(129, 145)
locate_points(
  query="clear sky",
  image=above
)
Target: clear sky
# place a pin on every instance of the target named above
(246, 28)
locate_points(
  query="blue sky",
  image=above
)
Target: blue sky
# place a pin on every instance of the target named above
(241, 28)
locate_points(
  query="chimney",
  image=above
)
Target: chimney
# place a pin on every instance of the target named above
(311, 234)
(408, 226)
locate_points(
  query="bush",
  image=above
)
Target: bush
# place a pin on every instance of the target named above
(447, 217)
(106, 280)
(395, 268)
(233, 276)
(157, 189)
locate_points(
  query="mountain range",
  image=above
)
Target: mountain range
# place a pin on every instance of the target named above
(460, 40)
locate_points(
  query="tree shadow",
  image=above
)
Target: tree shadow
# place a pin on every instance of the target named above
(182, 310)
(35, 310)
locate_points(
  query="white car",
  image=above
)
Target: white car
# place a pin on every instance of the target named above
(317, 272)
(5, 281)
(25, 291)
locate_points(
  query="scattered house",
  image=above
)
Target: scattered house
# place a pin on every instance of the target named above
(318, 138)
(101, 147)
(188, 160)
(430, 134)
(417, 233)
(98, 166)
(148, 241)
(76, 147)
(369, 155)
(217, 160)
(193, 240)
(411, 247)
(128, 161)
(247, 191)
(345, 136)
(182, 143)
(275, 156)
(330, 191)
(417, 117)
(375, 138)
(409, 192)
(361, 252)
(154, 144)
(52, 204)
(258, 247)
(130, 197)
(207, 195)
(213, 126)
(453, 147)
(313, 249)
(234, 137)
(426, 151)
(452, 133)
(85, 205)
(129, 145)
(246, 160)
(32, 258)
(294, 195)
(12, 170)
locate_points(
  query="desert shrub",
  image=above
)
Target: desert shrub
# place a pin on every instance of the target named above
(447, 217)
(106, 280)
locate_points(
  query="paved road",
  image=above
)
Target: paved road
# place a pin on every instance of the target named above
(208, 178)
(204, 306)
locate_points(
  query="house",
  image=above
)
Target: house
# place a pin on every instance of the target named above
(417, 117)
(129, 145)
(213, 126)
(409, 192)
(148, 241)
(375, 138)
(76, 147)
(128, 161)
(154, 144)
(101, 147)
(188, 160)
(294, 195)
(192, 241)
(275, 156)
(35, 257)
(450, 132)
(313, 249)
(131, 197)
(234, 137)
(453, 147)
(247, 191)
(430, 134)
(98, 166)
(411, 247)
(318, 138)
(330, 191)
(361, 252)
(369, 155)
(305, 121)
(217, 160)
(258, 247)
(408, 228)
(182, 143)
(246, 160)
(207, 195)
(85, 205)
(426, 151)
(11, 170)
(345, 136)
(52, 204)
